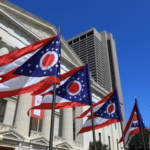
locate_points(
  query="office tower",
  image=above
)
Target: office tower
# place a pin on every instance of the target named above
(98, 50)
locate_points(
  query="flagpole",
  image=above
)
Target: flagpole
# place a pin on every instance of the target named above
(53, 114)
(141, 130)
(123, 135)
(52, 118)
(93, 129)
(30, 125)
(149, 140)
(143, 140)
(121, 124)
(91, 108)
(38, 125)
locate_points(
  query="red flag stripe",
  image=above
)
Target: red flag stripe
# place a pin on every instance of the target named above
(128, 124)
(40, 86)
(62, 77)
(94, 105)
(12, 56)
(8, 76)
(57, 106)
(98, 126)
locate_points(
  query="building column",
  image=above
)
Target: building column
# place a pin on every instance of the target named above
(9, 113)
(67, 125)
(113, 139)
(22, 120)
(78, 126)
(46, 123)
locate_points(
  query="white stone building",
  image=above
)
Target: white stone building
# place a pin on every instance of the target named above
(19, 28)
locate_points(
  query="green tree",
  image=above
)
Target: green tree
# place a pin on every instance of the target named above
(136, 142)
(99, 146)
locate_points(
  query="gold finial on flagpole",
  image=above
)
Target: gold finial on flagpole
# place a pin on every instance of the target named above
(135, 99)
(134, 96)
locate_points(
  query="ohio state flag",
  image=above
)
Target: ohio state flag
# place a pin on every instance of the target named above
(107, 114)
(33, 68)
(134, 125)
(37, 113)
(73, 91)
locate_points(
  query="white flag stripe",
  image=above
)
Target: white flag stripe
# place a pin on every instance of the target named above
(15, 64)
(129, 130)
(48, 99)
(51, 88)
(96, 108)
(97, 121)
(19, 82)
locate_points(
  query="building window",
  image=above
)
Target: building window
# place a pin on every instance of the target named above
(75, 40)
(2, 109)
(117, 144)
(109, 143)
(82, 37)
(70, 43)
(100, 137)
(60, 132)
(36, 124)
(90, 33)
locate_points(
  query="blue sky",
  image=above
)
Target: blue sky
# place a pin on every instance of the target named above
(130, 25)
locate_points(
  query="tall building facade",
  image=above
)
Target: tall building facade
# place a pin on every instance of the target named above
(98, 50)
(19, 28)
(91, 48)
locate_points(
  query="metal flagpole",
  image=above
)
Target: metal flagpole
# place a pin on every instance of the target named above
(30, 126)
(141, 131)
(143, 140)
(115, 87)
(38, 125)
(122, 135)
(53, 114)
(121, 124)
(149, 140)
(52, 118)
(93, 129)
(91, 108)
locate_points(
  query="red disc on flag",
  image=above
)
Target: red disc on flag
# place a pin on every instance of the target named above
(74, 88)
(111, 108)
(48, 60)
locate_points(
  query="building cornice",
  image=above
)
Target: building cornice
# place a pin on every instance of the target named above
(7, 5)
